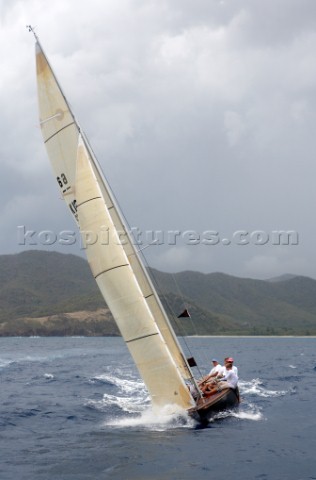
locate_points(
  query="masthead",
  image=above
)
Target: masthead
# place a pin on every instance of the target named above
(32, 29)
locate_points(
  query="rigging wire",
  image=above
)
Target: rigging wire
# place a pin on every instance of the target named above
(203, 357)
(185, 304)
(169, 307)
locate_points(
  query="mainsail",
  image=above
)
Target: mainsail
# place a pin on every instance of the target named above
(118, 270)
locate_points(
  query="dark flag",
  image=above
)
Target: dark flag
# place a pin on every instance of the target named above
(191, 362)
(185, 313)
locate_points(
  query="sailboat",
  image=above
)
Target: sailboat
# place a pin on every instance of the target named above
(115, 264)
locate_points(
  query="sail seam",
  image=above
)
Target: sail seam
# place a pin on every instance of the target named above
(58, 131)
(147, 296)
(142, 337)
(86, 201)
(109, 269)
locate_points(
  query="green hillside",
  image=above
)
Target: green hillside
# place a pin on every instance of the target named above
(36, 283)
(49, 293)
(256, 306)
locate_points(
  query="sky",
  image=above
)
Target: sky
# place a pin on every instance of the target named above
(202, 114)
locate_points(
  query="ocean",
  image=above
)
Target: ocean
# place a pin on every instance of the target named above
(76, 409)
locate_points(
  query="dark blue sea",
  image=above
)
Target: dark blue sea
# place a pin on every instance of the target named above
(76, 409)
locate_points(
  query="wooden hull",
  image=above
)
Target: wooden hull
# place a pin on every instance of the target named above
(206, 408)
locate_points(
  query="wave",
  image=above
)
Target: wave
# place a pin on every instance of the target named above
(169, 417)
(131, 397)
(244, 412)
(28, 359)
(255, 387)
(5, 363)
(123, 384)
(130, 394)
(255, 416)
(22, 359)
(127, 404)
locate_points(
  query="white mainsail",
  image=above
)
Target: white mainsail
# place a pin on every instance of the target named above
(72, 160)
(119, 286)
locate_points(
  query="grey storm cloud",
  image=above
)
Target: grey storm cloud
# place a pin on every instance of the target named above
(201, 114)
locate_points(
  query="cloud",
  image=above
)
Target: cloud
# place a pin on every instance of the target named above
(235, 127)
(174, 259)
(266, 266)
(201, 115)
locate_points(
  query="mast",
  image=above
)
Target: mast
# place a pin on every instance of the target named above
(61, 133)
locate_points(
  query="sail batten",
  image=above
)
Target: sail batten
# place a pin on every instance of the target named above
(112, 268)
(141, 338)
(65, 144)
(89, 200)
(58, 131)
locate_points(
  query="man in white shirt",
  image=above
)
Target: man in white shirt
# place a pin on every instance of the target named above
(229, 380)
(216, 370)
(234, 369)
(229, 360)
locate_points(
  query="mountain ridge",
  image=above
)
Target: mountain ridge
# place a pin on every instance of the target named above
(57, 288)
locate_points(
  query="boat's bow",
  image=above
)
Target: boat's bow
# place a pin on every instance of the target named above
(206, 407)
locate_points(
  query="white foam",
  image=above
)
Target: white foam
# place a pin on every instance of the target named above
(171, 416)
(255, 387)
(132, 406)
(4, 362)
(49, 376)
(129, 404)
(252, 412)
(255, 416)
(130, 396)
(124, 385)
